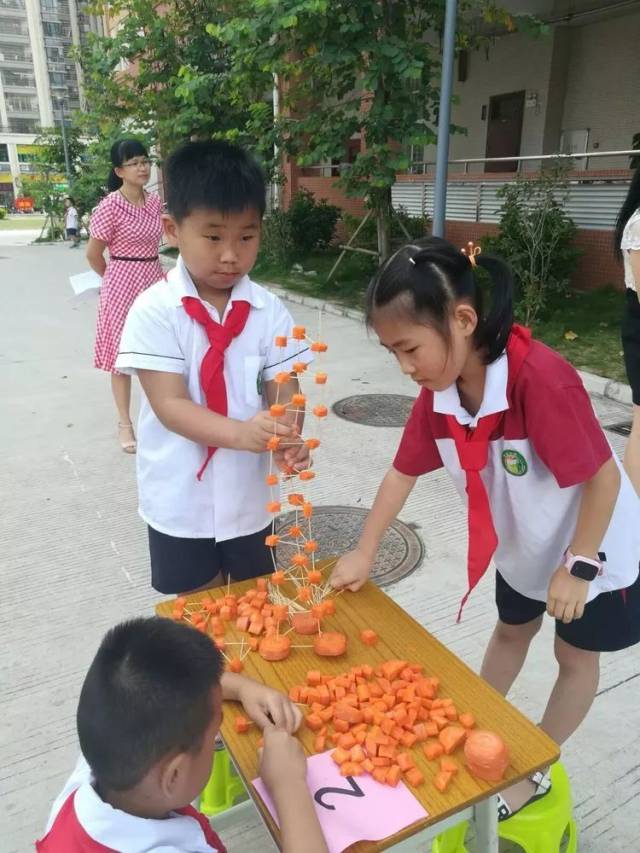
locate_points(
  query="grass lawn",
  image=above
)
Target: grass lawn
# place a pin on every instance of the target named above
(594, 316)
(22, 223)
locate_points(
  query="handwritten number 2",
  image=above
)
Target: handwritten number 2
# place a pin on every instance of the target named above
(356, 791)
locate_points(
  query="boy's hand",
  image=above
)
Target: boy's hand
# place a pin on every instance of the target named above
(351, 571)
(268, 707)
(282, 761)
(295, 458)
(566, 595)
(255, 433)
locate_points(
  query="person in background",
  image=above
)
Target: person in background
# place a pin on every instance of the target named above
(128, 223)
(71, 224)
(627, 248)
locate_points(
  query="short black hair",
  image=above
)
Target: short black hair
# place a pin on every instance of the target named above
(213, 175)
(147, 694)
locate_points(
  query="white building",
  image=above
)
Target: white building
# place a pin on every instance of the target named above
(38, 78)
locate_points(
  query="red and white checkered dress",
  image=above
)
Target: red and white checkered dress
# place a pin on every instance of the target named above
(128, 231)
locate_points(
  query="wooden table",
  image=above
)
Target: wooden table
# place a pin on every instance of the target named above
(400, 637)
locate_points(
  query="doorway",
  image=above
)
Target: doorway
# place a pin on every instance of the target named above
(504, 130)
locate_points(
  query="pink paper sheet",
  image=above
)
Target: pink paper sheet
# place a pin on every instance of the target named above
(363, 810)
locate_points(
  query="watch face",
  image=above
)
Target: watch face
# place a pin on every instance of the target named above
(583, 570)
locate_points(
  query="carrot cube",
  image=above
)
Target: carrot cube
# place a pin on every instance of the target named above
(414, 777)
(314, 722)
(393, 775)
(241, 724)
(451, 738)
(368, 637)
(433, 750)
(340, 755)
(405, 761)
(467, 720)
(441, 780)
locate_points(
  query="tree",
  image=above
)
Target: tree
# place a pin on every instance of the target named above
(88, 157)
(159, 75)
(346, 67)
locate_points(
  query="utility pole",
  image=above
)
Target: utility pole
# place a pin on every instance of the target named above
(444, 120)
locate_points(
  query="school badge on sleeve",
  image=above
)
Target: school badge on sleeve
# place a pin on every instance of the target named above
(514, 463)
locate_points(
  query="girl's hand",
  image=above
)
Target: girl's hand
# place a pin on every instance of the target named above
(268, 707)
(351, 571)
(566, 596)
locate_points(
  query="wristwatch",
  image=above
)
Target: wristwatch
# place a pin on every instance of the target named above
(584, 568)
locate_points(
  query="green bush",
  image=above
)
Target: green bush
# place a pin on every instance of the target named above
(3, 213)
(313, 223)
(536, 239)
(276, 244)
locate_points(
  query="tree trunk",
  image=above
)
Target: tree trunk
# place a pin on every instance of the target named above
(383, 223)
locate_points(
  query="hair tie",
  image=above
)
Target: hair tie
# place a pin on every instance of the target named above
(471, 252)
(411, 261)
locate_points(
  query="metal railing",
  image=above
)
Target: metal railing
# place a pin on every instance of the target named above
(590, 201)
(421, 167)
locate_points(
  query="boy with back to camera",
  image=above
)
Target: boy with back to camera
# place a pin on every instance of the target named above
(148, 715)
(203, 345)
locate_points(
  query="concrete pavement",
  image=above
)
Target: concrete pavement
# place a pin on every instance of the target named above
(74, 558)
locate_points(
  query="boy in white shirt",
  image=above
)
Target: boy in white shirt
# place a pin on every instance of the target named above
(148, 715)
(203, 346)
(71, 222)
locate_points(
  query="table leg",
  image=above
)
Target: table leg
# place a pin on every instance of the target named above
(486, 820)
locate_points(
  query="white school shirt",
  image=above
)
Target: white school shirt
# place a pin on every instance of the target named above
(71, 217)
(111, 829)
(630, 242)
(548, 445)
(231, 499)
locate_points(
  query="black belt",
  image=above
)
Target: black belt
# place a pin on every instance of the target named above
(124, 258)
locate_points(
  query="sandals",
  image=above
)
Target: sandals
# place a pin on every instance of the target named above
(541, 780)
(131, 445)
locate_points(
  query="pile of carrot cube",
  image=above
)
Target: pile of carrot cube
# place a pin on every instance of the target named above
(373, 716)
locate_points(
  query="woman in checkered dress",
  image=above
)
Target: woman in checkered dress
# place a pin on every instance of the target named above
(127, 223)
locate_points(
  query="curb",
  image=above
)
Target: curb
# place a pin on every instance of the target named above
(609, 388)
(594, 384)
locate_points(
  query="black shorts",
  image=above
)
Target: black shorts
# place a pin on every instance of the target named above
(72, 232)
(179, 565)
(630, 332)
(610, 622)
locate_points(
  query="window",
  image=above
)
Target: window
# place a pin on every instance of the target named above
(16, 28)
(51, 28)
(23, 125)
(11, 4)
(21, 104)
(18, 78)
(4, 153)
(15, 53)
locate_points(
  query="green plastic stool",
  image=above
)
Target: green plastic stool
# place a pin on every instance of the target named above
(224, 786)
(451, 840)
(539, 828)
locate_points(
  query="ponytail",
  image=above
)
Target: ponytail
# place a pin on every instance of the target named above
(428, 277)
(494, 327)
(113, 181)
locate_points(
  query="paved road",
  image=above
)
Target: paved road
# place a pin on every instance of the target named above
(74, 554)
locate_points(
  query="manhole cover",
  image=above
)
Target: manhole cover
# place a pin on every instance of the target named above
(382, 410)
(337, 530)
(623, 428)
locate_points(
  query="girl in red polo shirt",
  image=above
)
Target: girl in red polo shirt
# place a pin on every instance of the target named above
(546, 497)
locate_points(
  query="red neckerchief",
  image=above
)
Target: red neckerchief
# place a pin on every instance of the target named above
(472, 445)
(212, 368)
